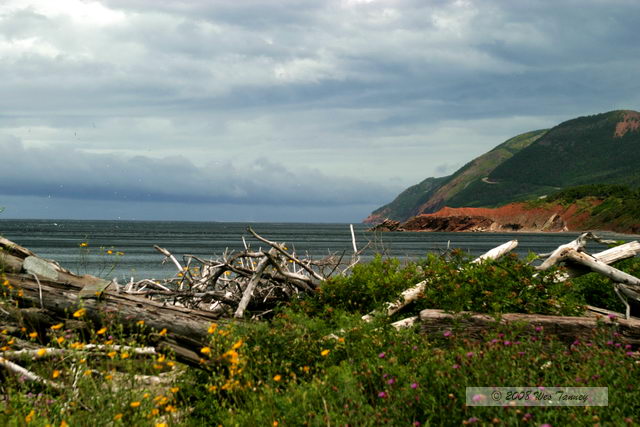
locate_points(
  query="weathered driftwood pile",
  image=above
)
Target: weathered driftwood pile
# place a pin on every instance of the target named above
(179, 310)
(254, 278)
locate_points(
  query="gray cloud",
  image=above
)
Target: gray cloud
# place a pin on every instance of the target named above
(371, 91)
(74, 174)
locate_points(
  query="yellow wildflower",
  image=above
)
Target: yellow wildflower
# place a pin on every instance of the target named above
(163, 332)
(30, 416)
(117, 417)
(174, 389)
(84, 244)
(161, 424)
(58, 326)
(161, 358)
(124, 355)
(156, 366)
(277, 377)
(108, 377)
(134, 404)
(33, 335)
(80, 313)
(237, 345)
(213, 388)
(119, 253)
(155, 411)
(60, 340)
(87, 373)
(205, 350)
(112, 354)
(140, 322)
(109, 252)
(5, 282)
(101, 331)
(20, 293)
(212, 328)
(42, 352)
(63, 423)
(324, 352)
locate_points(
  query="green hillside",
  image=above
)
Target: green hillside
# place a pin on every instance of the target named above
(597, 149)
(404, 206)
(433, 193)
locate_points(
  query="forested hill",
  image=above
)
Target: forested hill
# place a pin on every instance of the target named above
(602, 148)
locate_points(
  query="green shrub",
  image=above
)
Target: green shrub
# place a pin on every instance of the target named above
(502, 286)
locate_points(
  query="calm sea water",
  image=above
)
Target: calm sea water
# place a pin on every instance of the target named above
(60, 240)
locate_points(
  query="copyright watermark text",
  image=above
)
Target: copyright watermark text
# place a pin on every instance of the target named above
(537, 396)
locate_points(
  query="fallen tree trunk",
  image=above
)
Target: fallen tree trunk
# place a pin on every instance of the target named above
(186, 328)
(568, 329)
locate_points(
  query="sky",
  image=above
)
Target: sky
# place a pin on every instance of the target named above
(285, 110)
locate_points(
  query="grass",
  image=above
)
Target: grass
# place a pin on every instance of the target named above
(317, 363)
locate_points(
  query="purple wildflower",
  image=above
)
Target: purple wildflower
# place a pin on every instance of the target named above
(527, 416)
(391, 381)
(382, 355)
(447, 333)
(478, 398)
(382, 395)
(538, 328)
(470, 354)
(414, 385)
(456, 366)
(630, 353)
(612, 316)
(507, 343)
(472, 420)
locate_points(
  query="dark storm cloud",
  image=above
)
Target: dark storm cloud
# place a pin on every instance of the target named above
(73, 174)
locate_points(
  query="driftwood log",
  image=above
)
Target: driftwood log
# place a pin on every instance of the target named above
(568, 329)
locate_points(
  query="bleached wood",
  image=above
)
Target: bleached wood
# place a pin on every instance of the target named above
(497, 252)
(248, 292)
(26, 374)
(406, 323)
(613, 273)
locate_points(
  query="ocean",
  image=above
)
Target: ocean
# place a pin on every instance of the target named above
(132, 254)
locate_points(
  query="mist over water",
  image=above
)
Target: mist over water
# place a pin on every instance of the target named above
(60, 240)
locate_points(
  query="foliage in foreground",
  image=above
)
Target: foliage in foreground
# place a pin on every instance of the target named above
(317, 363)
(507, 285)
